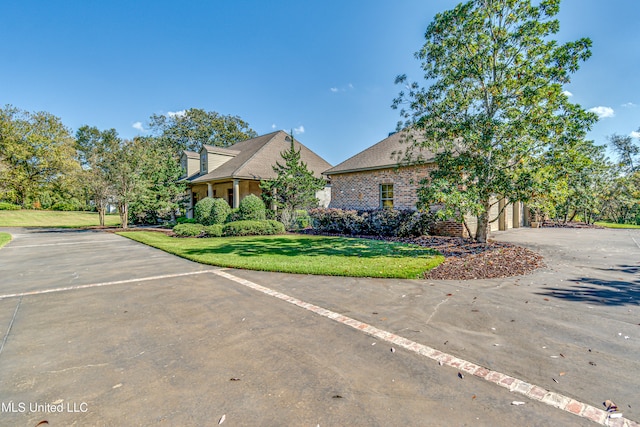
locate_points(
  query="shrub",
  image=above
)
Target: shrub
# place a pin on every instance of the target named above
(301, 219)
(234, 215)
(378, 222)
(202, 211)
(252, 208)
(189, 230)
(214, 230)
(185, 220)
(64, 206)
(253, 228)
(220, 210)
(5, 206)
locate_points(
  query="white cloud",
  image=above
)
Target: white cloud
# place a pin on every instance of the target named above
(629, 105)
(567, 94)
(299, 130)
(334, 89)
(603, 112)
(273, 126)
(350, 86)
(138, 126)
(180, 113)
(635, 134)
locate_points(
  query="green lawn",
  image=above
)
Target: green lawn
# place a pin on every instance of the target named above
(333, 256)
(615, 225)
(34, 218)
(4, 239)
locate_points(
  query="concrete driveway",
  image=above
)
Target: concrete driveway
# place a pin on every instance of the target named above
(100, 330)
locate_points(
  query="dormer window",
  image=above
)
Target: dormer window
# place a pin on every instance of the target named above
(203, 162)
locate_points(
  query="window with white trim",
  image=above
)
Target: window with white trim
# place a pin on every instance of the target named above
(386, 196)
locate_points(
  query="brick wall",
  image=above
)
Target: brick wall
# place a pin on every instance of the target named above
(361, 190)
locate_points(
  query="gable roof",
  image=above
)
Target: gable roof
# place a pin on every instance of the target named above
(191, 154)
(388, 153)
(254, 158)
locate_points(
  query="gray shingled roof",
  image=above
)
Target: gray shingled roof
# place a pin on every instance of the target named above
(255, 158)
(385, 154)
(191, 154)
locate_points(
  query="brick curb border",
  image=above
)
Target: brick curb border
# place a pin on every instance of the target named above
(512, 384)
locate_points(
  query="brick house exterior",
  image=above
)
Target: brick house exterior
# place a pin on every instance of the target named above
(375, 178)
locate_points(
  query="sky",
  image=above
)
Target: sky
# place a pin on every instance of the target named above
(324, 69)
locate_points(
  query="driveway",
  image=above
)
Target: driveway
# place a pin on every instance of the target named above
(100, 330)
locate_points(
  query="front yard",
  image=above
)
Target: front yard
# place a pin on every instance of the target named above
(303, 254)
(64, 219)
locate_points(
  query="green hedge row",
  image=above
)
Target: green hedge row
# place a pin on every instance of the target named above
(236, 228)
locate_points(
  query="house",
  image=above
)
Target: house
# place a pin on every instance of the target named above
(234, 172)
(378, 178)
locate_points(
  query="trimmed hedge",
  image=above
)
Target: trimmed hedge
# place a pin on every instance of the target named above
(5, 206)
(202, 211)
(185, 220)
(378, 222)
(252, 208)
(253, 228)
(214, 230)
(209, 211)
(189, 230)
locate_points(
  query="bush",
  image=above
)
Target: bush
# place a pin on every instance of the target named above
(185, 220)
(189, 230)
(253, 228)
(202, 211)
(252, 208)
(220, 210)
(5, 206)
(214, 230)
(209, 211)
(64, 206)
(378, 222)
(301, 219)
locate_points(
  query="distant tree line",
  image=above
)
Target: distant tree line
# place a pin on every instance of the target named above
(43, 165)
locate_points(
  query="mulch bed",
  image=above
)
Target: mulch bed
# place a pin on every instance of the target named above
(466, 259)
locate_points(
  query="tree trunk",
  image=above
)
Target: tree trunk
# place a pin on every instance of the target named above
(123, 209)
(482, 232)
(101, 213)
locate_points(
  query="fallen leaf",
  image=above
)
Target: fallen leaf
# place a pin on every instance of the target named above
(562, 374)
(41, 423)
(517, 403)
(224, 417)
(337, 396)
(440, 363)
(555, 380)
(561, 355)
(449, 295)
(234, 379)
(393, 350)
(592, 363)
(546, 299)
(473, 397)
(460, 375)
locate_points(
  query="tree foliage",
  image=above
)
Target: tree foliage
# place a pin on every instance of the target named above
(37, 158)
(294, 187)
(494, 104)
(189, 129)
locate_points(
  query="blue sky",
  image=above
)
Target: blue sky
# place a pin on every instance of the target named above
(324, 68)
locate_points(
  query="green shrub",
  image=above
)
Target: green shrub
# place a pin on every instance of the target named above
(189, 230)
(185, 220)
(202, 211)
(253, 228)
(5, 206)
(64, 206)
(234, 215)
(377, 222)
(252, 208)
(214, 230)
(220, 210)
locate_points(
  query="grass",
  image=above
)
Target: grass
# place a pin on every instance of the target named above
(322, 255)
(616, 225)
(4, 239)
(37, 218)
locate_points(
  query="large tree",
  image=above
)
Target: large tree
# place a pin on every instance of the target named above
(294, 187)
(36, 155)
(494, 103)
(189, 129)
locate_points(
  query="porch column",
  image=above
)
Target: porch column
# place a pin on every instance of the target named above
(236, 193)
(516, 214)
(190, 204)
(209, 189)
(502, 217)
